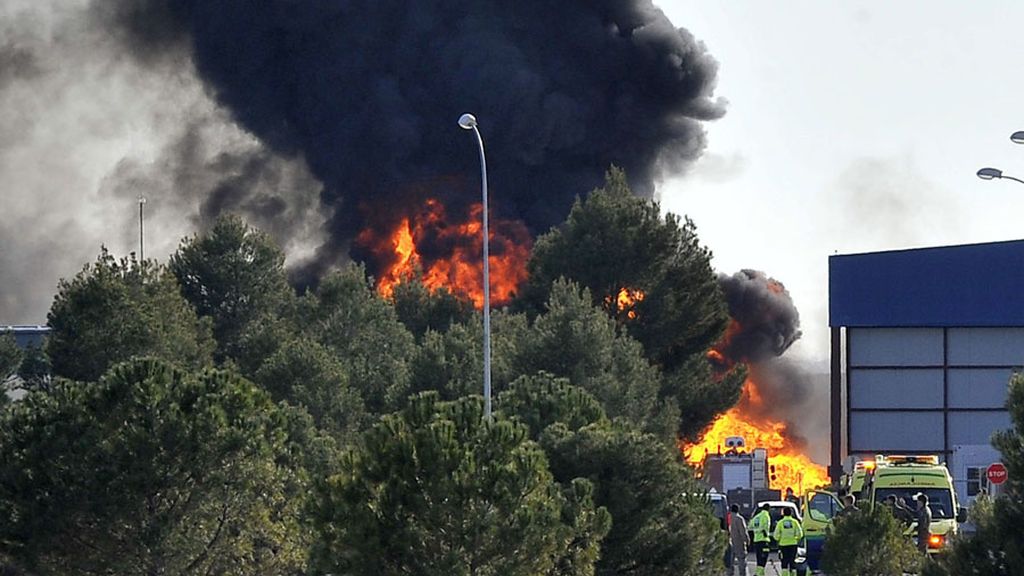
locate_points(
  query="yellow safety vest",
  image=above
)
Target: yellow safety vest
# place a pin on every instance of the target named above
(761, 525)
(788, 531)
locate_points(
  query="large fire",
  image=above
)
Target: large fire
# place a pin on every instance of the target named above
(792, 468)
(449, 254)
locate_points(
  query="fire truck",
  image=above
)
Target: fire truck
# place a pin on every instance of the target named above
(741, 475)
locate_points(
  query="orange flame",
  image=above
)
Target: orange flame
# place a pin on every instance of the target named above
(625, 302)
(461, 269)
(792, 468)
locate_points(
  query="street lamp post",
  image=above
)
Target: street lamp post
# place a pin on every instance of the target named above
(994, 173)
(468, 122)
(142, 254)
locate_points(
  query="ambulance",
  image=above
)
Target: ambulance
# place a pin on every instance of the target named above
(905, 477)
(871, 482)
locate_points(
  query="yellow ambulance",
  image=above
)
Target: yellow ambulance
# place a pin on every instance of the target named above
(905, 477)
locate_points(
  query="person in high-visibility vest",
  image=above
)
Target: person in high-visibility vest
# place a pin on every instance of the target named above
(788, 534)
(761, 526)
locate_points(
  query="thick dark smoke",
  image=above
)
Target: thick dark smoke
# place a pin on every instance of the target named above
(87, 126)
(368, 92)
(766, 323)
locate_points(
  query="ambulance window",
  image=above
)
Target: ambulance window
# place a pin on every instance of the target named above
(824, 504)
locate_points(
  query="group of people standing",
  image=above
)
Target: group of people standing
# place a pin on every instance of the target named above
(922, 515)
(787, 532)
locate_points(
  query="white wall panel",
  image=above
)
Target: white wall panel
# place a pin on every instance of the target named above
(976, 427)
(978, 387)
(896, 431)
(905, 388)
(986, 346)
(895, 346)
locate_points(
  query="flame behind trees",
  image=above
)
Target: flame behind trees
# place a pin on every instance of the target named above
(764, 324)
(650, 273)
(620, 246)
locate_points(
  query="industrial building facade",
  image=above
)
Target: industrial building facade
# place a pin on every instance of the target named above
(927, 340)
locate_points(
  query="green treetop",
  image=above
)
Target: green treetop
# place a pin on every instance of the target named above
(115, 310)
(234, 275)
(362, 330)
(151, 470)
(615, 241)
(437, 490)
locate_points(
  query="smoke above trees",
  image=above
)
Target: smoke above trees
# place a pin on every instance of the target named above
(306, 117)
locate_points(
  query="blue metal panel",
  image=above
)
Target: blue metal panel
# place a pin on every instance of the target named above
(970, 285)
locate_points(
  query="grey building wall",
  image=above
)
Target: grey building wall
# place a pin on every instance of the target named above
(928, 389)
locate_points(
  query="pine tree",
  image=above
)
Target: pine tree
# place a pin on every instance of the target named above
(151, 470)
(869, 543)
(115, 310)
(615, 241)
(234, 275)
(438, 490)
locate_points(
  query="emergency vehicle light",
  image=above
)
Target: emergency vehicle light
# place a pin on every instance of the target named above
(931, 459)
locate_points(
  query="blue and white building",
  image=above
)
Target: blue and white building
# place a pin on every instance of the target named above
(27, 336)
(924, 342)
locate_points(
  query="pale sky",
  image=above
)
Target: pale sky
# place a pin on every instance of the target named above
(853, 127)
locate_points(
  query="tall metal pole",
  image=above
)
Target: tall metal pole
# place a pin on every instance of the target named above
(835, 469)
(142, 253)
(468, 121)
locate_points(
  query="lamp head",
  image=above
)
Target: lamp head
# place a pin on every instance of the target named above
(990, 173)
(1017, 137)
(467, 121)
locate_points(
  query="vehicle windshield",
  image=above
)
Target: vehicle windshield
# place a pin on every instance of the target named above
(718, 507)
(940, 500)
(776, 514)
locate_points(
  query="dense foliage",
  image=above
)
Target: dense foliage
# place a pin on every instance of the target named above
(649, 273)
(151, 470)
(234, 275)
(661, 523)
(341, 432)
(10, 356)
(614, 240)
(437, 489)
(869, 543)
(114, 310)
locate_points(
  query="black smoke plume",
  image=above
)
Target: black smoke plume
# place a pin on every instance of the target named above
(765, 321)
(765, 324)
(368, 93)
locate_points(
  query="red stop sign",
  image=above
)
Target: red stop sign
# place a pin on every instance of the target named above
(996, 473)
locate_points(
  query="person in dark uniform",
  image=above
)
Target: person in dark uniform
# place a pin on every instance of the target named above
(924, 523)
